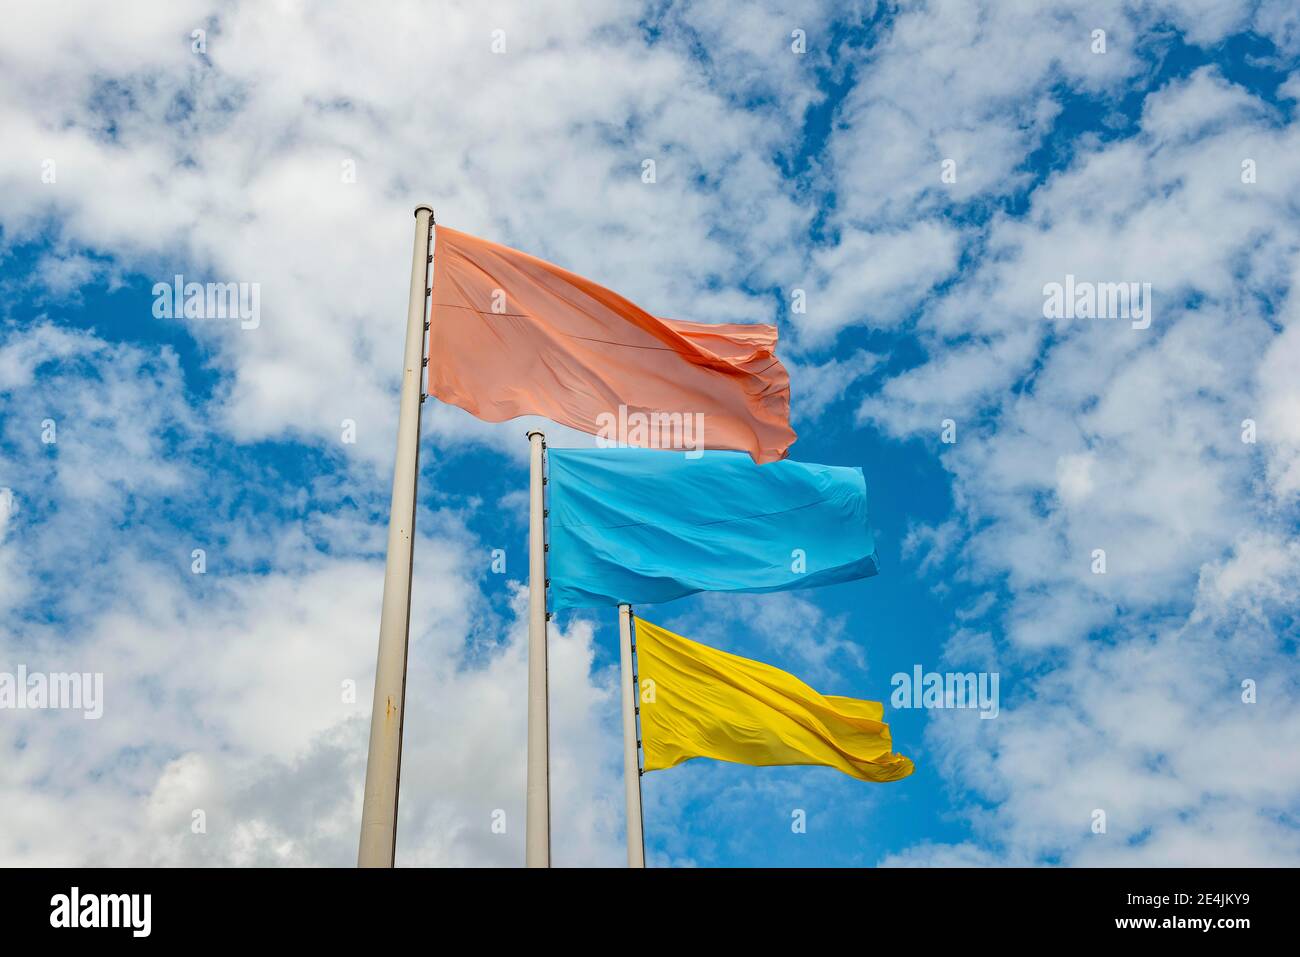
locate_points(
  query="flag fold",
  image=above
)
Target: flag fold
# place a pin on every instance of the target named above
(698, 702)
(642, 526)
(512, 335)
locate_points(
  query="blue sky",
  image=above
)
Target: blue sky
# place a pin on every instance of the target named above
(289, 151)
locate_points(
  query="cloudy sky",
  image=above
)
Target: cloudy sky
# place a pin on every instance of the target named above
(920, 171)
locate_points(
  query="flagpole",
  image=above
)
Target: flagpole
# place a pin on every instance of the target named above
(631, 761)
(378, 846)
(537, 835)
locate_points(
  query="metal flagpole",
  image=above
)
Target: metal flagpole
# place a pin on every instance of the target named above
(537, 837)
(384, 764)
(631, 761)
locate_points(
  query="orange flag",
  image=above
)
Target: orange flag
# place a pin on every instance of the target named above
(513, 335)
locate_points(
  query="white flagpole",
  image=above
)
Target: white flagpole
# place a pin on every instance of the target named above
(384, 765)
(631, 762)
(537, 837)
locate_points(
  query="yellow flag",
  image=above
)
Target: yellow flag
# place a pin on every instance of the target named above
(705, 703)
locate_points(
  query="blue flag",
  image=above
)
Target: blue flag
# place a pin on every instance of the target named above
(645, 525)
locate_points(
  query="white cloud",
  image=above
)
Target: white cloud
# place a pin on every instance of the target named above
(1092, 435)
(246, 694)
(1279, 399)
(231, 164)
(797, 634)
(1071, 437)
(12, 585)
(876, 278)
(815, 385)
